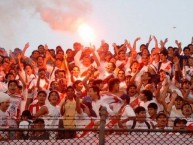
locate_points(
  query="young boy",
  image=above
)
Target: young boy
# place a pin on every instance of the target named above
(39, 135)
(140, 121)
(152, 113)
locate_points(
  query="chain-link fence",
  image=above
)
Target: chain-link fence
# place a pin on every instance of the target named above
(93, 136)
(50, 136)
(149, 137)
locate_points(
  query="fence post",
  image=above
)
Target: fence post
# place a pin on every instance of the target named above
(103, 117)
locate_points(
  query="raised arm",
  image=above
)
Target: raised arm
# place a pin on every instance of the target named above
(88, 75)
(185, 94)
(19, 56)
(43, 111)
(173, 98)
(78, 109)
(24, 49)
(21, 79)
(177, 70)
(135, 42)
(179, 45)
(149, 41)
(78, 56)
(95, 55)
(163, 43)
(48, 55)
(66, 67)
(115, 48)
(128, 45)
(156, 43)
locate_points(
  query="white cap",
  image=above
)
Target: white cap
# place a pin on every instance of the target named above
(4, 97)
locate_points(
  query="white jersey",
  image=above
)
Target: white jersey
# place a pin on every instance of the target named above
(127, 112)
(112, 102)
(51, 119)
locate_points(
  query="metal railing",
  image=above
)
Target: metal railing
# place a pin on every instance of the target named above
(94, 136)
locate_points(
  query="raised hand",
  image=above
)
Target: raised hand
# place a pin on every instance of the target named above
(46, 47)
(174, 95)
(92, 47)
(154, 38)
(179, 44)
(26, 45)
(138, 38)
(127, 43)
(150, 38)
(114, 45)
(166, 40)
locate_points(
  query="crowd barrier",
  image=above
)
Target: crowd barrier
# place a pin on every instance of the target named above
(109, 137)
(97, 136)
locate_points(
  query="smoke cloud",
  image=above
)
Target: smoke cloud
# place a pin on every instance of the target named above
(60, 15)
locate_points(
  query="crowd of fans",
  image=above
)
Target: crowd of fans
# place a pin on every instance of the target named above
(57, 88)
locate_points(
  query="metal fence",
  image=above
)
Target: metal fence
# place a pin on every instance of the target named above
(108, 136)
(96, 136)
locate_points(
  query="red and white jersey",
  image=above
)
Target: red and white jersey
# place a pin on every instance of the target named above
(33, 108)
(112, 102)
(30, 79)
(95, 106)
(123, 86)
(134, 102)
(43, 84)
(167, 67)
(121, 64)
(189, 123)
(103, 74)
(83, 121)
(127, 111)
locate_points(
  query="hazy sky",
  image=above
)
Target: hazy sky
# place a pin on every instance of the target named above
(54, 22)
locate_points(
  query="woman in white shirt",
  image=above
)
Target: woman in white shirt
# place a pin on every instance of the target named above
(50, 112)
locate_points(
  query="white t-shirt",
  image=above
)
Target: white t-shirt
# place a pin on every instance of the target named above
(138, 125)
(127, 112)
(51, 119)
